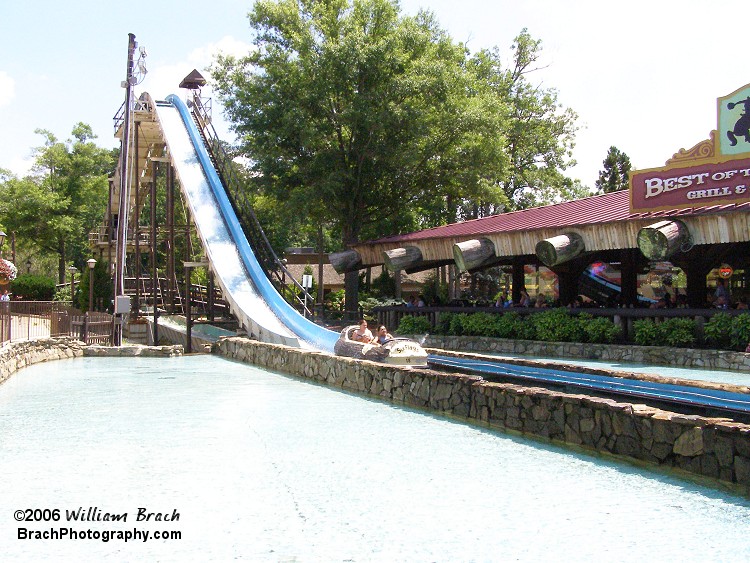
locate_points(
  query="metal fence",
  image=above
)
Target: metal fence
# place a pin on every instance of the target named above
(25, 320)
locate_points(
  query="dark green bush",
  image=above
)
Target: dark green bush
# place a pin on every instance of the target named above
(740, 331)
(646, 332)
(508, 325)
(410, 324)
(478, 324)
(671, 332)
(556, 325)
(457, 324)
(678, 332)
(718, 330)
(33, 288)
(444, 324)
(599, 330)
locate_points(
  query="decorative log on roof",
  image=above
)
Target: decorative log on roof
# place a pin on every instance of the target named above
(345, 261)
(471, 254)
(561, 248)
(604, 222)
(664, 239)
(403, 258)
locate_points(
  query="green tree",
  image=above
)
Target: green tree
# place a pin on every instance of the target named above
(614, 176)
(540, 132)
(63, 197)
(360, 116)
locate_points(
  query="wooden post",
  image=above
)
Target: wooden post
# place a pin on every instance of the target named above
(519, 278)
(321, 289)
(154, 270)
(188, 313)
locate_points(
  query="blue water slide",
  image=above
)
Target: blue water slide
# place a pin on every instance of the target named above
(308, 333)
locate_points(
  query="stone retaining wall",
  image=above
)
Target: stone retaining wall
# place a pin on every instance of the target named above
(651, 355)
(718, 449)
(18, 355)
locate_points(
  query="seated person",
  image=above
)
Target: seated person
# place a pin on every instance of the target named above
(362, 334)
(383, 335)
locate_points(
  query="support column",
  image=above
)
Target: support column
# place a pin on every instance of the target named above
(519, 280)
(171, 271)
(154, 269)
(697, 288)
(630, 265)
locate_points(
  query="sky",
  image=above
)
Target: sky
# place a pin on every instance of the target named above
(643, 76)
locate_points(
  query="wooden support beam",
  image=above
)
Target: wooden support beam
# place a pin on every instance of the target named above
(472, 253)
(345, 261)
(559, 249)
(402, 258)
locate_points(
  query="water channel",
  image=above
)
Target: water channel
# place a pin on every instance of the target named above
(264, 467)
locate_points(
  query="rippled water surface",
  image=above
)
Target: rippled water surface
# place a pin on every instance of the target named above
(262, 467)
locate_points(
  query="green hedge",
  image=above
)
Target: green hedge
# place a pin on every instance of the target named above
(553, 325)
(33, 288)
(726, 332)
(414, 325)
(558, 325)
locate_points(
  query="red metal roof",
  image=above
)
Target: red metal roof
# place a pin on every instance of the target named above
(604, 208)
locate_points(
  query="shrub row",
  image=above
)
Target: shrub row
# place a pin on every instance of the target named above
(722, 331)
(554, 325)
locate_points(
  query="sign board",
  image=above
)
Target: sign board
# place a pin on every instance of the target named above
(713, 172)
(307, 281)
(725, 271)
(690, 186)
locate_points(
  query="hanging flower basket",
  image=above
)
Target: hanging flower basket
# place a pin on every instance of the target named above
(8, 271)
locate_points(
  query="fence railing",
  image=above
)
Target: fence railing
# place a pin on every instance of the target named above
(26, 320)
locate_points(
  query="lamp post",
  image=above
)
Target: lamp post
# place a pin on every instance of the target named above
(2, 241)
(91, 264)
(28, 265)
(72, 270)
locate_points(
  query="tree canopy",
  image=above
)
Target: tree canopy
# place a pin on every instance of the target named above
(62, 199)
(371, 123)
(358, 115)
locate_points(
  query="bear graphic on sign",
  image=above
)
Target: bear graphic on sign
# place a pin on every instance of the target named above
(742, 126)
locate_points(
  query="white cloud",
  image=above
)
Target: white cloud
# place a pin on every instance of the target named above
(7, 88)
(165, 79)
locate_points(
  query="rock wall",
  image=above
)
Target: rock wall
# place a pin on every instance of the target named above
(651, 355)
(717, 449)
(17, 355)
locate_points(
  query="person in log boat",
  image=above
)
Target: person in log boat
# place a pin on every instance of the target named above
(362, 334)
(383, 335)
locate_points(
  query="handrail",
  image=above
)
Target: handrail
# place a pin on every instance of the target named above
(273, 267)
